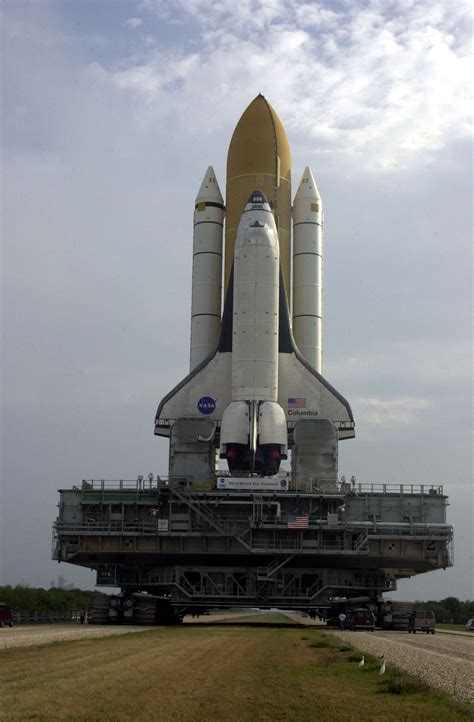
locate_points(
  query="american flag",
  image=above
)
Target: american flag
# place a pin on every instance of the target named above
(298, 522)
(296, 403)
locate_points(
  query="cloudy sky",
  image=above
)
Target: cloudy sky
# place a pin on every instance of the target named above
(112, 113)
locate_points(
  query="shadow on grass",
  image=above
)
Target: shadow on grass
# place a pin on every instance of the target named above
(322, 644)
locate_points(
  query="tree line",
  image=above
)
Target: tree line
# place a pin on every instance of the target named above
(22, 598)
(450, 610)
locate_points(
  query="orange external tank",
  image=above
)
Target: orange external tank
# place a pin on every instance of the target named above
(259, 158)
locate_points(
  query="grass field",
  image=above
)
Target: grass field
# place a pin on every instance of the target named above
(454, 627)
(207, 673)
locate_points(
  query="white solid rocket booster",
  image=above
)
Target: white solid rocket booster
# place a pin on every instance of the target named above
(254, 419)
(207, 269)
(307, 270)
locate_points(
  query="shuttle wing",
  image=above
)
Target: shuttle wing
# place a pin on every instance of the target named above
(303, 392)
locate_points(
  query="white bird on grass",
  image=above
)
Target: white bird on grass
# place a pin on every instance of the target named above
(362, 662)
(382, 668)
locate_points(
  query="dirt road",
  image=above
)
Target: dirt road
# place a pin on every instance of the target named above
(442, 660)
(457, 646)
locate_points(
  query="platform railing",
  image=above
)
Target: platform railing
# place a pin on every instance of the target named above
(439, 531)
(317, 546)
(240, 526)
(111, 527)
(147, 485)
(45, 617)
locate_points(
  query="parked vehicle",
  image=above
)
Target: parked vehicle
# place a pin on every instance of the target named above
(470, 625)
(421, 621)
(6, 617)
(361, 619)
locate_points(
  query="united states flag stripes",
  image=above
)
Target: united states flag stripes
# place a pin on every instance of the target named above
(296, 403)
(298, 522)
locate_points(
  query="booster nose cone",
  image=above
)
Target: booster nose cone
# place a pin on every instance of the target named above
(209, 192)
(307, 187)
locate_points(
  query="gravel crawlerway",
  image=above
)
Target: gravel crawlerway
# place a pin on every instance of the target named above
(444, 661)
(28, 636)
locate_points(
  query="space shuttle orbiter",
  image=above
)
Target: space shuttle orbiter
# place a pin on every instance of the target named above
(255, 382)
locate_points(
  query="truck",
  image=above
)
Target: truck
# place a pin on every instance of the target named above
(6, 616)
(421, 620)
(361, 619)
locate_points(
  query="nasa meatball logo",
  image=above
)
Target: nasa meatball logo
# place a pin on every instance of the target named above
(206, 405)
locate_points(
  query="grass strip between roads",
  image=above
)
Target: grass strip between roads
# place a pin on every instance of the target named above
(204, 673)
(452, 627)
